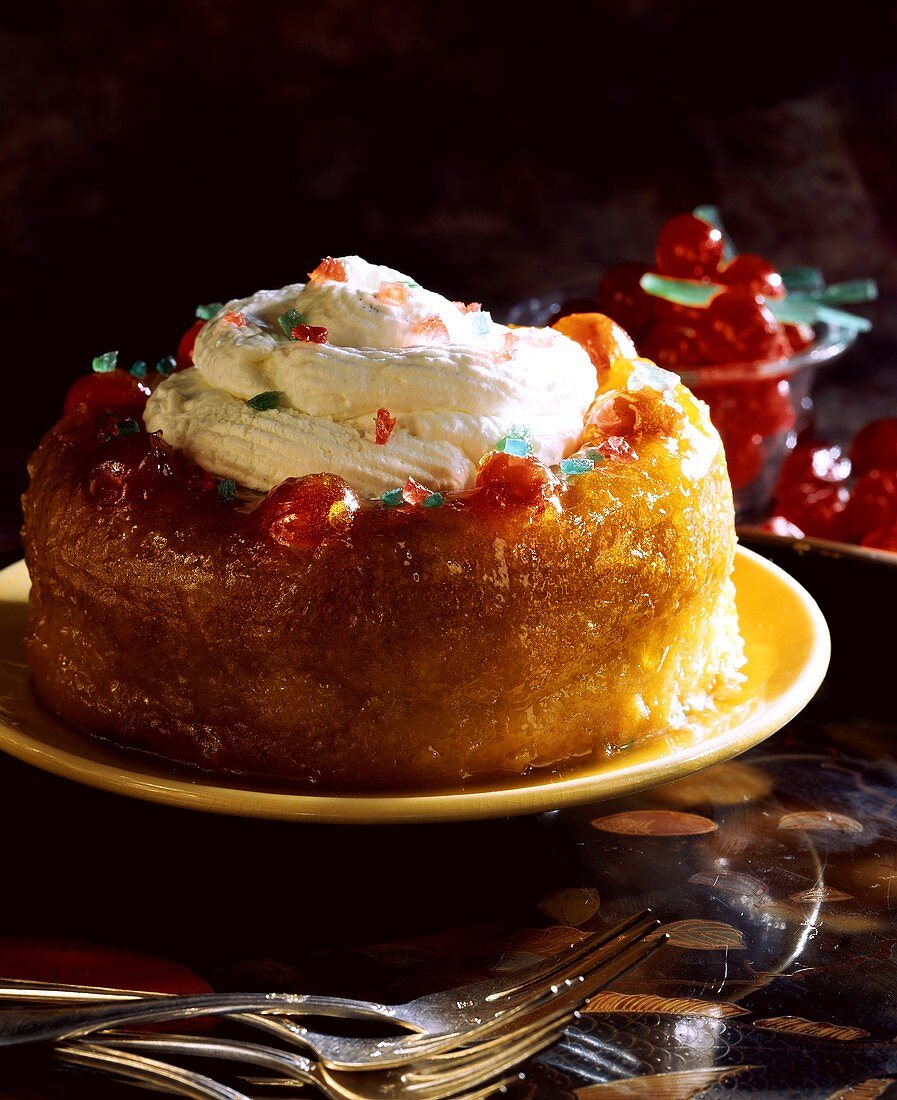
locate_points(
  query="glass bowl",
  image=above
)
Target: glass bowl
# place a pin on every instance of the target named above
(759, 409)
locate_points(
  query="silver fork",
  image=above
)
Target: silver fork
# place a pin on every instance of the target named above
(164, 1077)
(437, 1018)
(430, 1080)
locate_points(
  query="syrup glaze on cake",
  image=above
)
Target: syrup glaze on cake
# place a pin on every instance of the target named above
(527, 614)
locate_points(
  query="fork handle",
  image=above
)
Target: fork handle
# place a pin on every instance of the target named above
(18, 1028)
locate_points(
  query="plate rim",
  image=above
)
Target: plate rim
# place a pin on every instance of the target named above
(202, 795)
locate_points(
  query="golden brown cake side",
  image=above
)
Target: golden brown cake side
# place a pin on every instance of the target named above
(424, 648)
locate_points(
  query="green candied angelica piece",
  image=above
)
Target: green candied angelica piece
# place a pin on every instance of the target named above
(138, 368)
(712, 216)
(845, 294)
(434, 500)
(684, 292)
(105, 362)
(570, 467)
(127, 427)
(289, 320)
(392, 498)
(227, 489)
(206, 313)
(262, 402)
(797, 279)
(166, 365)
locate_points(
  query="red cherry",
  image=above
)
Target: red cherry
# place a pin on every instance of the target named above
(875, 446)
(738, 328)
(514, 481)
(813, 462)
(671, 346)
(885, 538)
(623, 300)
(184, 356)
(131, 467)
(689, 248)
(873, 503)
(303, 512)
(798, 336)
(113, 391)
(778, 525)
(673, 313)
(744, 457)
(817, 508)
(754, 274)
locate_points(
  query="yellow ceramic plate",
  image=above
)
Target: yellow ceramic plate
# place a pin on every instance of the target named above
(787, 645)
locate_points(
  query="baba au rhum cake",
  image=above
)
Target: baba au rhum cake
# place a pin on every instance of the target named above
(373, 539)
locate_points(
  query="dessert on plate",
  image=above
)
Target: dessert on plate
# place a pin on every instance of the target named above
(372, 539)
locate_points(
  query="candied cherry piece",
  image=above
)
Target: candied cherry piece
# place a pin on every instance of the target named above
(111, 391)
(798, 337)
(738, 328)
(329, 268)
(394, 294)
(236, 318)
(515, 480)
(873, 503)
(304, 512)
(131, 467)
(309, 334)
(885, 538)
(817, 508)
(689, 248)
(754, 274)
(671, 346)
(383, 426)
(432, 330)
(875, 446)
(184, 355)
(621, 297)
(813, 461)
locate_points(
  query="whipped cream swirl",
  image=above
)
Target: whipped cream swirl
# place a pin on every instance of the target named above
(455, 382)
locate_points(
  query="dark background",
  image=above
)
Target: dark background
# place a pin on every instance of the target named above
(159, 154)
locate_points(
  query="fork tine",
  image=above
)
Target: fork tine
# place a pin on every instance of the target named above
(540, 973)
(148, 1071)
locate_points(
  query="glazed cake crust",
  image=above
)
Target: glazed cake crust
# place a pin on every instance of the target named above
(426, 648)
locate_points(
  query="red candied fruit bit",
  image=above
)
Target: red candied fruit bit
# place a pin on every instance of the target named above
(621, 297)
(742, 406)
(689, 248)
(415, 493)
(613, 415)
(131, 467)
(383, 426)
(329, 268)
(508, 349)
(234, 317)
(674, 313)
(515, 480)
(304, 512)
(615, 447)
(469, 307)
(778, 525)
(812, 461)
(671, 346)
(110, 391)
(875, 446)
(885, 538)
(184, 356)
(432, 330)
(395, 294)
(744, 457)
(798, 337)
(754, 274)
(738, 328)
(309, 334)
(817, 508)
(873, 504)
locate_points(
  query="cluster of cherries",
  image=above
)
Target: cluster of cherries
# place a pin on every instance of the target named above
(735, 327)
(828, 493)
